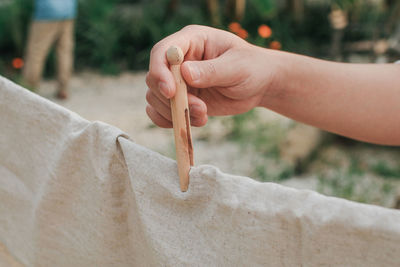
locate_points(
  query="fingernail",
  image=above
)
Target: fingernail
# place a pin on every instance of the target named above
(164, 89)
(194, 71)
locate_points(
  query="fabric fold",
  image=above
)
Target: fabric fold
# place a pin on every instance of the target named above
(235, 221)
(80, 193)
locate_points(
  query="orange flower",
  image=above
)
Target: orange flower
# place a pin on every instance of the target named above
(234, 27)
(264, 31)
(242, 33)
(275, 45)
(17, 63)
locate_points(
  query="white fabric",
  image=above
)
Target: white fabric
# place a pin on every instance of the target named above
(80, 193)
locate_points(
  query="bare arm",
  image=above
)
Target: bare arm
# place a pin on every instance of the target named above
(360, 101)
(226, 76)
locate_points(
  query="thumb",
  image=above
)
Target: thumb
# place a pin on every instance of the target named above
(208, 73)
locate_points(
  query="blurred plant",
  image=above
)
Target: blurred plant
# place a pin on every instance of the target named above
(383, 169)
(96, 35)
(265, 8)
(263, 140)
(236, 28)
(263, 38)
(346, 4)
(120, 34)
(356, 187)
(275, 45)
(264, 31)
(14, 18)
(17, 63)
(243, 34)
(113, 35)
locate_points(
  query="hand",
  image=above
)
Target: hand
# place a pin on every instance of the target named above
(225, 75)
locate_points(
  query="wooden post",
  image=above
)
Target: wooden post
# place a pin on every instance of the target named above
(213, 9)
(235, 9)
(181, 118)
(296, 8)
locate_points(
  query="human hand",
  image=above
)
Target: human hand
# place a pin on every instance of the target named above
(225, 75)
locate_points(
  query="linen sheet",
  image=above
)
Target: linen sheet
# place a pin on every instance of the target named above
(80, 193)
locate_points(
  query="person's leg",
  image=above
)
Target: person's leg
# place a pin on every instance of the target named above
(65, 49)
(41, 37)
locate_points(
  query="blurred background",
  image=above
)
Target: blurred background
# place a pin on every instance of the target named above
(113, 39)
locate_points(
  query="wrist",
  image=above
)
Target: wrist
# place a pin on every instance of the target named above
(278, 65)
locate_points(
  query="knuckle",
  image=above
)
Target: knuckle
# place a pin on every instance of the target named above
(210, 67)
(191, 27)
(148, 111)
(149, 96)
(188, 28)
(148, 79)
(155, 48)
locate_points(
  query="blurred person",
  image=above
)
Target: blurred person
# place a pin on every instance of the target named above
(53, 22)
(227, 75)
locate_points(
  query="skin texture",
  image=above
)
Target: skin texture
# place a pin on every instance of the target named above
(226, 76)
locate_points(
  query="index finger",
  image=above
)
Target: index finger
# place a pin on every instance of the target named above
(197, 43)
(159, 73)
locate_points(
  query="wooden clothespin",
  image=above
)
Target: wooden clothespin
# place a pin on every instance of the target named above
(181, 118)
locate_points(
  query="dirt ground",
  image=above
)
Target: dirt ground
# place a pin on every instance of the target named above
(120, 101)
(334, 169)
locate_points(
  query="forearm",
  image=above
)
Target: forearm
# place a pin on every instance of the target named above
(361, 101)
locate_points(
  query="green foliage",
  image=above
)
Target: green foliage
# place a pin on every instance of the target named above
(14, 17)
(309, 36)
(341, 166)
(262, 8)
(247, 130)
(114, 35)
(355, 167)
(263, 139)
(385, 170)
(340, 185)
(387, 188)
(111, 35)
(96, 34)
(346, 4)
(240, 125)
(360, 188)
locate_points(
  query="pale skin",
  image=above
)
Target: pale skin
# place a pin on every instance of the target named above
(226, 76)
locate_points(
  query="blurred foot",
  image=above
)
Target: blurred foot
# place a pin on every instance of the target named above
(62, 94)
